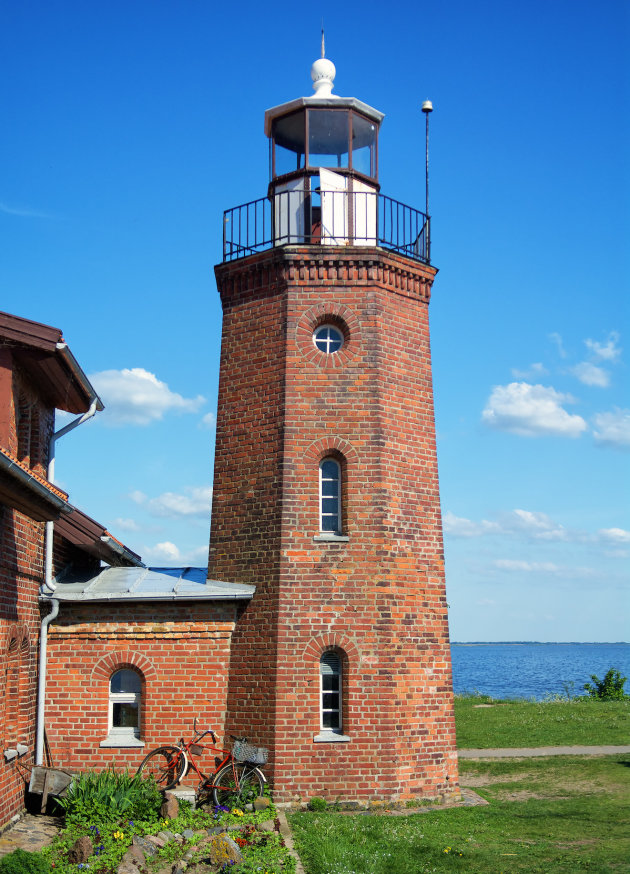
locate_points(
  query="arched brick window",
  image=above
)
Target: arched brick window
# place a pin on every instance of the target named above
(330, 487)
(331, 692)
(125, 704)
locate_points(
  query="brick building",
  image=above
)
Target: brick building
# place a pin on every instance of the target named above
(319, 628)
(38, 373)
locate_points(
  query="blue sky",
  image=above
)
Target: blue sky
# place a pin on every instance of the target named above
(129, 128)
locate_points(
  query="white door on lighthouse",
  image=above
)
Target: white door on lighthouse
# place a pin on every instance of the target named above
(288, 213)
(364, 212)
(334, 199)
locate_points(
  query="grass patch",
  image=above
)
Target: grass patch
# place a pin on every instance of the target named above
(584, 721)
(545, 815)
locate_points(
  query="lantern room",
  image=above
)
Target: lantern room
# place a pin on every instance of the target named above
(323, 181)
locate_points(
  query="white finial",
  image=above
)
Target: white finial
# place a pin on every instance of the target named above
(323, 73)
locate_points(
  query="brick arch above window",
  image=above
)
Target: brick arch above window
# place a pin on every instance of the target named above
(329, 313)
(118, 660)
(329, 642)
(333, 447)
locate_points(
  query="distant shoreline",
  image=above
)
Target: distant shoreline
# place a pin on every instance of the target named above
(540, 643)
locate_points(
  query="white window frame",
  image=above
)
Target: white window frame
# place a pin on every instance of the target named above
(123, 698)
(328, 340)
(339, 728)
(322, 480)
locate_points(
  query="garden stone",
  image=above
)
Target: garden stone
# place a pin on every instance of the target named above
(146, 846)
(222, 849)
(262, 802)
(215, 830)
(127, 868)
(170, 806)
(80, 851)
(166, 836)
(158, 842)
(133, 856)
(188, 833)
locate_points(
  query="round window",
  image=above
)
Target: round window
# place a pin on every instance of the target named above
(328, 338)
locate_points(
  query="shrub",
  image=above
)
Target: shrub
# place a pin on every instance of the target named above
(107, 796)
(608, 689)
(21, 862)
(317, 803)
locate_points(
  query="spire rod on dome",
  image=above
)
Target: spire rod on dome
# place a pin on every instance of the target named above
(323, 73)
(323, 42)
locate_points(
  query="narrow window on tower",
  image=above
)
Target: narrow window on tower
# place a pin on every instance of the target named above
(331, 692)
(330, 496)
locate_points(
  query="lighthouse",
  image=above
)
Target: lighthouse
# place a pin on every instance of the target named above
(326, 494)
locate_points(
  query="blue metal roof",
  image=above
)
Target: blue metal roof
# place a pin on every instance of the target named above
(152, 583)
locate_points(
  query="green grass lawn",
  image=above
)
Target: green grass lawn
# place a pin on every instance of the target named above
(545, 815)
(549, 814)
(540, 723)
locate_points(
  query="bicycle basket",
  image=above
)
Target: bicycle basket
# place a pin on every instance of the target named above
(244, 752)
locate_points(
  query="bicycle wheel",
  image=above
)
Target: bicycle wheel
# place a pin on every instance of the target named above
(166, 765)
(225, 791)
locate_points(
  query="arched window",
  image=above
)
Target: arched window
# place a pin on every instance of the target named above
(331, 692)
(125, 694)
(330, 496)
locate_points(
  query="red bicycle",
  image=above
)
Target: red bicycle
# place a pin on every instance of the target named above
(236, 779)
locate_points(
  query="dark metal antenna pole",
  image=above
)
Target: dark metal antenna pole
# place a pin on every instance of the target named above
(427, 108)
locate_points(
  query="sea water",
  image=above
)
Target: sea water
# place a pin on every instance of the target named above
(534, 670)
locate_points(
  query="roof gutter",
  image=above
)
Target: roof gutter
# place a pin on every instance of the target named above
(122, 550)
(32, 483)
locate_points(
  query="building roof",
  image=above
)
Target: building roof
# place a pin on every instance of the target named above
(41, 351)
(32, 494)
(149, 584)
(28, 492)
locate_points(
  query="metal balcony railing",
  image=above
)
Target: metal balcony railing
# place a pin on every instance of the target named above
(333, 218)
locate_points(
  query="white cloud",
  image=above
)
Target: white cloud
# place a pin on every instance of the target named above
(531, 411)
(457, 526)
(208, 421)
(194, 501)
(612, 429)
(533, 525)
(614, 535)
(536, 525)
(509, 564)
(169, 554)
(125, 525)
(557, 339)
(24, 212)
(535, 369)
(591, 374)
(166, 551)
(133, 396)
(608, 351)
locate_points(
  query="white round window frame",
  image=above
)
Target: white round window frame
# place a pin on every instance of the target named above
(331, 327)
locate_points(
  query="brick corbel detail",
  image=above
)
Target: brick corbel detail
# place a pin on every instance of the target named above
(116, 661)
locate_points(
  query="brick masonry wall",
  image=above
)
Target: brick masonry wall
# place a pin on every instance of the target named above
(379, 598)
(24, 416)
(181, 651)
(21, 570)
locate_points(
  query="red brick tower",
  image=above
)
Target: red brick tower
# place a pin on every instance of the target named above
(326, 489)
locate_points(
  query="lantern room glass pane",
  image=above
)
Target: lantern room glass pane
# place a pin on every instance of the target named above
(328, 138)
(289, 134)
(364, 134)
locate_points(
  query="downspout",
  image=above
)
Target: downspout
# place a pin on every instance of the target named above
(48, 587)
